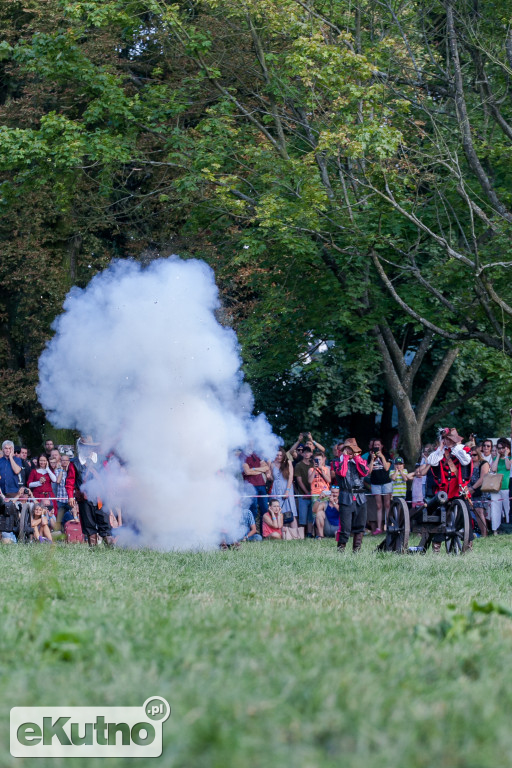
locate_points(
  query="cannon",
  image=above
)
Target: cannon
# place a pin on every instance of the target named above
(448, 518)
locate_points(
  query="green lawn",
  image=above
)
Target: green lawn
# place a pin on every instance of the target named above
(278, 654)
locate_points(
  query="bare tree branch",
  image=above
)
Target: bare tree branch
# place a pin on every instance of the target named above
(463, 119)
(451, 405)
(430, 394)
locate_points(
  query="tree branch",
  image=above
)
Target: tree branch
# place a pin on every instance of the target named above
(426, 323)
(451, 405)
(414, 367)
(394, 350)
(463, 119)
(429, 395)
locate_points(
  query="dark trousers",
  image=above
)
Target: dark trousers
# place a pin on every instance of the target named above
(94, 520)
(352, 519)
(259, 505)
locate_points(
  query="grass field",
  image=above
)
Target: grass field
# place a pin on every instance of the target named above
(278, 654)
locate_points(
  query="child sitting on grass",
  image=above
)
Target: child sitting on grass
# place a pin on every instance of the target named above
(39, 523)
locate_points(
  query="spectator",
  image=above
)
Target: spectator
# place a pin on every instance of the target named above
(418, 478)
(40, 480)
(60, 467)
(319, 477)
(306, 438)
(9, 513)
(500, 502)
(54, 454)
(304, 491)
(282, 487)
(248, 526)
(39, 522)
(48, 448)
(328, 515)
(313, 443)
(10, 468)
(273, 521)
(24, 501)
(255, 473)
(481, 500)
(21, 453)
(380, 481)
(297, 447)
(399, 476)
(427, 450)
(296, 454)
(350, 472)
(486, 450)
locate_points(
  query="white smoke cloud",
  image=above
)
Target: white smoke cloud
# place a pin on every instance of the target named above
(140, 362)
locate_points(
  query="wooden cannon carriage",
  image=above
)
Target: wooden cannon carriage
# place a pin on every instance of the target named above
(447, 517)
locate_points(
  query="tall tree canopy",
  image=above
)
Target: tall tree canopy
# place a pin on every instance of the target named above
(345, 166)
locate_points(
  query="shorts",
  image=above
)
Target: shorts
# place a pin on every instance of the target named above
(305, 512)
(330, 530)
(382, 490)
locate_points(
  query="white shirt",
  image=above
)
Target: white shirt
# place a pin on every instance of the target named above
(92, 456)
(458, 451)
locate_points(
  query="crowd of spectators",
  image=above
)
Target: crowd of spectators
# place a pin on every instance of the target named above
(296, 494)
(33, 492)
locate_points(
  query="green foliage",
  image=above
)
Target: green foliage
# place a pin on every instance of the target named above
(318, 135)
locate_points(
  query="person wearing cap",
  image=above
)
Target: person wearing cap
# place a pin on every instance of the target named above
(84, 468)
(349, 474)
(399, 476)
(451, 467)
(380, 482)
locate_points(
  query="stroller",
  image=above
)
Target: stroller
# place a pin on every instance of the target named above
(15, 519)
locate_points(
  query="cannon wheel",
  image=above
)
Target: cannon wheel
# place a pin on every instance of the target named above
(457, 519)
(398, 527)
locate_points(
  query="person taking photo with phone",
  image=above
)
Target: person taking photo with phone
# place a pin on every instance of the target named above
(380, 481)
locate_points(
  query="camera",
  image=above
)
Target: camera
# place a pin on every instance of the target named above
(317, 461)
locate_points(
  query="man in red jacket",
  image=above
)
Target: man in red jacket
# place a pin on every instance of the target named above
(349, 473)
(452, 468)
(85, 467)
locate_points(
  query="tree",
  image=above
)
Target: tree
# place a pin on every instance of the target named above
(284, 139)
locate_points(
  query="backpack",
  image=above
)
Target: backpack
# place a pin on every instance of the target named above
(73, 531)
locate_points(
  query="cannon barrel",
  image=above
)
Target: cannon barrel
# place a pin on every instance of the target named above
(437, 501)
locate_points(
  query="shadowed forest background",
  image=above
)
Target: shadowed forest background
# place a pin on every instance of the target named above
(345, 167)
